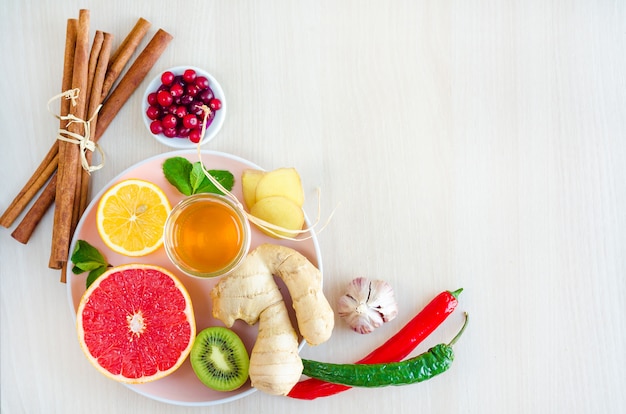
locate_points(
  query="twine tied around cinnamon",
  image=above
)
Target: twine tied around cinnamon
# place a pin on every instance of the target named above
(83, 141)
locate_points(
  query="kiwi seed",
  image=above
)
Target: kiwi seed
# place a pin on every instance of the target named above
(220, 359)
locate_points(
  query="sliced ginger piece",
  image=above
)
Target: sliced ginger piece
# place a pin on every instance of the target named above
(280, 211)
(284, 182)
(249, 180)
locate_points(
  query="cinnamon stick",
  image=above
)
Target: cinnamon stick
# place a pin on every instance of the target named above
(67, 177)
(77, 62)
(123, 53)
(110, 109)
(48, 165)
(94, 55)
(98, 62)
(68, 75)
(94, 101)
(118, 97)
(131, 80)
(96, 47)
(39, 178)
(34, 215)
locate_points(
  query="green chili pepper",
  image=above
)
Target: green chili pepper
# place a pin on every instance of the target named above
(420, 368)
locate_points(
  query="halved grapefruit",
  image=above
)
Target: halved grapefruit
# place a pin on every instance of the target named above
(135, 323)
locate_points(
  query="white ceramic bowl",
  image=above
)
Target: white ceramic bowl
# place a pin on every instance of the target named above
(212, 129)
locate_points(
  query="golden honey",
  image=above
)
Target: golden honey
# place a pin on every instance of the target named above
(206, 235)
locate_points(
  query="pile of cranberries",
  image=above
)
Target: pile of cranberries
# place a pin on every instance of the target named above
(177, 107)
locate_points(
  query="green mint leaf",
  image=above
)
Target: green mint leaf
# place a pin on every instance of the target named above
(225, 178)
(177, 171)
(196, 177)
(189, 178)
(85, 267)
(86, 257)
(94, 274)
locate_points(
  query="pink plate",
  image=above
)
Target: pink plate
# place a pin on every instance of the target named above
(182, 387)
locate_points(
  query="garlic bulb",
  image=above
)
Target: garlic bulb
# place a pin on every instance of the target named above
(367, 304)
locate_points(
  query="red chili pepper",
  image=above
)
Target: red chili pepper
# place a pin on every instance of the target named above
(395, 349)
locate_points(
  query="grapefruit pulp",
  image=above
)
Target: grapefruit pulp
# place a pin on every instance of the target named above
(135, 323)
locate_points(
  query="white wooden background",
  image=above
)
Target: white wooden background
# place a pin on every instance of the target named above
(475, 144)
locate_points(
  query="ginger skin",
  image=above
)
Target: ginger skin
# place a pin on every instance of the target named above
(245, 293)
(251, 294)
(275, 366)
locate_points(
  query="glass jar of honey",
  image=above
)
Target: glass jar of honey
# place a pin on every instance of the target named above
(206, 235)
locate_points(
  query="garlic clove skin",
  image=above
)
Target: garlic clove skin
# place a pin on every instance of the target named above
(367, 304)
(383, 300)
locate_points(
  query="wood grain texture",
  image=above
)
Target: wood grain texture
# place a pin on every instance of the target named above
(464, 144)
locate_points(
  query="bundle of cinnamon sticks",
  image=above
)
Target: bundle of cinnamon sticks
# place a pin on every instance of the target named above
(92, 70)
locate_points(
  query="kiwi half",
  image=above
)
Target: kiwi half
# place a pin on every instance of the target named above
(220, 359)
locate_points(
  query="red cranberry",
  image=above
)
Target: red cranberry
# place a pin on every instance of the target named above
(169, 121)
(190, 121)
(164, 98)
(152, 98)
(156, 127)
(177, 106)
(180, 111)
(176, 90)
(167, 78)
(169, 132)
(153, 112)
(206, 95)
(215, 104)
(186, 99)
(196, 108)
(201, 82)
(189, 75)
(192, 90)
(182, 132)
(195, 135)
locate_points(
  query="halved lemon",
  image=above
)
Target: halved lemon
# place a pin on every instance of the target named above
(131, 217)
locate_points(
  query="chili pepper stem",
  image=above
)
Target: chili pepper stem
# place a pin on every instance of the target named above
(458, 335)
(456, 293)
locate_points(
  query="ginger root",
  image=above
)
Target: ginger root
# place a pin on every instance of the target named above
(275, 366)
(251, 294)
